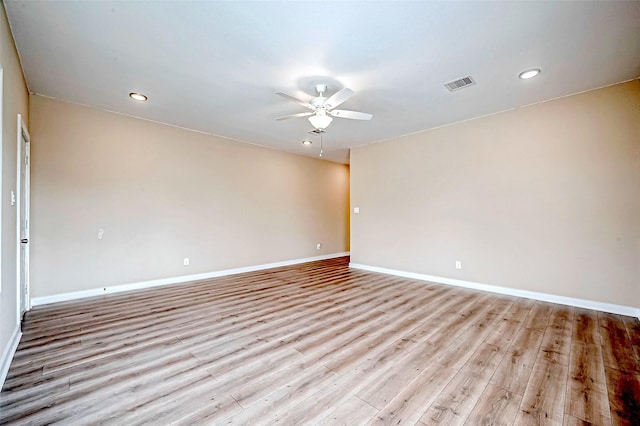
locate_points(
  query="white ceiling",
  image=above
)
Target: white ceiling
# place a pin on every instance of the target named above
(215, 66)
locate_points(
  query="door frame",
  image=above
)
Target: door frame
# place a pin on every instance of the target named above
(1, 144)
(23, 296)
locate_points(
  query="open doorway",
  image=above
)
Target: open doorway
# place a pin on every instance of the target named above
(22, 213)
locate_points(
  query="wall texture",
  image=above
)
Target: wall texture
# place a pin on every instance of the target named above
(544, 198)
(160, 194)
(15, 100)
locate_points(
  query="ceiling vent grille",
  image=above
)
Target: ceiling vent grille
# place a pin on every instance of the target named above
(459, 84)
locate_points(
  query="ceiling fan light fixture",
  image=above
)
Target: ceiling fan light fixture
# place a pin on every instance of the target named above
(320, 121)
(526, 74)
(138, 97)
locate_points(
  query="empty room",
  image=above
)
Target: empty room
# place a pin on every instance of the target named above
(320, 213)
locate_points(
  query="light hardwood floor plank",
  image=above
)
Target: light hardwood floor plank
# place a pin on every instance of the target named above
(514, 370)
(319, 343)
(617, 349)
(585, 327)
(539, 316)
(624, 396)
(456, 401)
(556, 343)
(587, 397)
(352, 412)
(574, 421)
(496, 407)
(543, 400)
(633, 329)
(410, 402)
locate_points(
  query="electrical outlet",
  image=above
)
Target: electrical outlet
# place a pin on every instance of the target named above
(318, 246)
(186, 261)
(458, 264)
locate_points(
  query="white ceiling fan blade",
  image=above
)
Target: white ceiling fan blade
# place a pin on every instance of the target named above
(296, 100)
(339, 97)
(354, 115)
(300, 114)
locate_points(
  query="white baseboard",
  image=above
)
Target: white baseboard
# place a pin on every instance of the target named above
(545, 297)
(64, 297)
(7, 354)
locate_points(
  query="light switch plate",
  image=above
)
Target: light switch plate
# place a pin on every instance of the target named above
(356, 210)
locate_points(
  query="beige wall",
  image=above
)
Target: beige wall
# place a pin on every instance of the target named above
(161, 194)
(544, 198)
(14, 101)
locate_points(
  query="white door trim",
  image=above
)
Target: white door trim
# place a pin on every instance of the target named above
(1, 144)
(23, 299)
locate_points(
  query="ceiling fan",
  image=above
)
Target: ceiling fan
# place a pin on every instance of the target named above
(323, 108)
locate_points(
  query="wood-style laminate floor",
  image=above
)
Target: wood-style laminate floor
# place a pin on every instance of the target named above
(319, 343)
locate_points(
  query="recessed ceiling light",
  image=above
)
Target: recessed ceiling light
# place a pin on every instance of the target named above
(307, 142)
(138, 97)
(529, 73)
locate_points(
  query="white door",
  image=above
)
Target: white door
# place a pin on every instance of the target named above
(23, 187)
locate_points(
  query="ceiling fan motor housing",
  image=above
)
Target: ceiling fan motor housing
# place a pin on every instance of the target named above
(318, 102)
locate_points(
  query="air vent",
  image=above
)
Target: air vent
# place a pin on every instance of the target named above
(459, 84)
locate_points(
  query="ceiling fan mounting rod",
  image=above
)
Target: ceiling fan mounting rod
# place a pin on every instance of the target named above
(320, 89)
